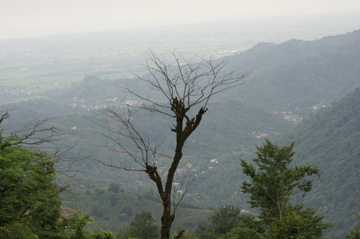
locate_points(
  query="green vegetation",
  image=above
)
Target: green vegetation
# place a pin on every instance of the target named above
(221, 221)
(343, 111)
(30, 205)
(355, 232)
(294, 76)
(329, 140)
(143, 226)
(272, 187)
(298, 75)
(114, 210)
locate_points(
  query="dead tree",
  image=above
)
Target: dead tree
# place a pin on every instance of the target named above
(184, 86)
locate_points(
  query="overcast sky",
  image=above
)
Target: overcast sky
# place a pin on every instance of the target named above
(28, 18)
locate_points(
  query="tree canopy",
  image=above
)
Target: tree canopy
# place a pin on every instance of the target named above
(143, 226)
(272, 187)
(355, 232)
(30, 205)
(29, 202)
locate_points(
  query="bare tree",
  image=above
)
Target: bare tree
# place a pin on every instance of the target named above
(185, 88)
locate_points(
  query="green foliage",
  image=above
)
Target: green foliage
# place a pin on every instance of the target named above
(250, 227)
(222, 220)
(103, 235)
(272, 188)
(272, 183)
(73, 227)
(76, 227)
(329, 140)
(30, 205)
(298, 223)
(227, 222)
(242, 233)
(29, 202)
(143, 227)
(116, 210)
(355, 232)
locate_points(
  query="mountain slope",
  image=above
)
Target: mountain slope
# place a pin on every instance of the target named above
(296, 75)
(330, 140)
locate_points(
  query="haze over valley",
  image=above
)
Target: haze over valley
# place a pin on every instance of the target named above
(300, 83)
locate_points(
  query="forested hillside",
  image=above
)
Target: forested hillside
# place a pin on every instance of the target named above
(284, 84)
(229, 129)
(297, 75)
(330, 140)
(114, 209)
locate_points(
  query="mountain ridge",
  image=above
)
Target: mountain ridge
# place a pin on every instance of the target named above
(296, 75)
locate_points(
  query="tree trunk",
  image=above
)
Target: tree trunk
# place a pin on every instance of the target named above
(168, 216)
(188, 88)
(166, 220)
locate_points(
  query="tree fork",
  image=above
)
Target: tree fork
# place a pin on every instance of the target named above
(184, 86)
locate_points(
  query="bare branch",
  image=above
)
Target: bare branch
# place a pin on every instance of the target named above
(179, 86)
(179, 191)
(4, 116)
(31, 135)
(129, 143)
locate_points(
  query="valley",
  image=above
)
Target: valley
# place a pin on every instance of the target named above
(304, 90)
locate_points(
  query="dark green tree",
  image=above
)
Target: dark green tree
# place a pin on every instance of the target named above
(29, 202)
(249, 226)
(272, 187)
(355, 232)
(222, 220)
(242, 233)
(143, 227)
(30, 205)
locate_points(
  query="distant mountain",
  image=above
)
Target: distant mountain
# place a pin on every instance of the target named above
(330, 140)
(292, 77)
(297, 75)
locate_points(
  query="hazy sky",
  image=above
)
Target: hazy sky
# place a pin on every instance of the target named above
(27, 18)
